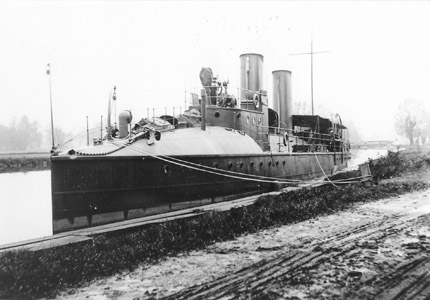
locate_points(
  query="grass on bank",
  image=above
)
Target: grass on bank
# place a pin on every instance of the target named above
(25, 161)
(33, 274)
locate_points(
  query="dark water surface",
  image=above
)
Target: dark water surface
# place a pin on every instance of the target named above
(25, 201)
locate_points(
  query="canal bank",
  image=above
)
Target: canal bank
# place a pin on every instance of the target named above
(112, 254)
(375, 250)
(24, 161)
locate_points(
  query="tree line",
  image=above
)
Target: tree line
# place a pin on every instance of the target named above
(23, 134)
(412, 121)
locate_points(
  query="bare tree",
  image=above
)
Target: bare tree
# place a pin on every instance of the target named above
(23, 134)
(301, 108)
(410, 119)
(425, 133)
(304, 108)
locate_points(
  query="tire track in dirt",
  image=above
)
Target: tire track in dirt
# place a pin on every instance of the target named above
(287, 267)
(376, 250)
(409, 284)
(410, 279)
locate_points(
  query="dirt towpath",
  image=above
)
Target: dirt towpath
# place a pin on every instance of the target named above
(378, 250)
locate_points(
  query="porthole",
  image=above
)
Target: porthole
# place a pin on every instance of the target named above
(277, 163)
(238, 115)
(269, 163)
(259, 121)
(216, 165)
(241, 165)
(261, 163)
(253, 120)
(217, 114)
(247, 120)
(283, 162)
(166, 169)
(230, 165)
(251, 164)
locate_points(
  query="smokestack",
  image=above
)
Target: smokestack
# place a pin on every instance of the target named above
(251, 73)
(282, 101)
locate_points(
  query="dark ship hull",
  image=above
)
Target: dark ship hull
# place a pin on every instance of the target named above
(129, 187)
(219, 153)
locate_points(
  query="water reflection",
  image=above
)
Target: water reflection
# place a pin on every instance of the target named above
(25, 206)
(359, 156)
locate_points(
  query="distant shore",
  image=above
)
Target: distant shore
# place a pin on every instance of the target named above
(24, 161)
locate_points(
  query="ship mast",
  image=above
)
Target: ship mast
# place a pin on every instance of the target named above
(312, 69)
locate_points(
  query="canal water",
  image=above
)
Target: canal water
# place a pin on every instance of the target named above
(25, 201)
(25, 206)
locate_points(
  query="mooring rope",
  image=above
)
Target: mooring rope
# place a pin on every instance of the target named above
(237, 175)
(226, 173)
(323, 170)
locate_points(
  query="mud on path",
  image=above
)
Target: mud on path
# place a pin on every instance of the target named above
(378, 250)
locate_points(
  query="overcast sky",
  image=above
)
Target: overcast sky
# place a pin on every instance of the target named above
(153, 52)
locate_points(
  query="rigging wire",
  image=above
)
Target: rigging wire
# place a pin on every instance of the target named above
(141, 151)
(250, 176)
(227, 171)
(79, 135)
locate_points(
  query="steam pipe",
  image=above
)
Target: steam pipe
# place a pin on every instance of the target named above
(112, 96)
(203, 124)
(88, 134)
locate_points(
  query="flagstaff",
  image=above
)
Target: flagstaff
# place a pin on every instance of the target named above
(48, 72)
